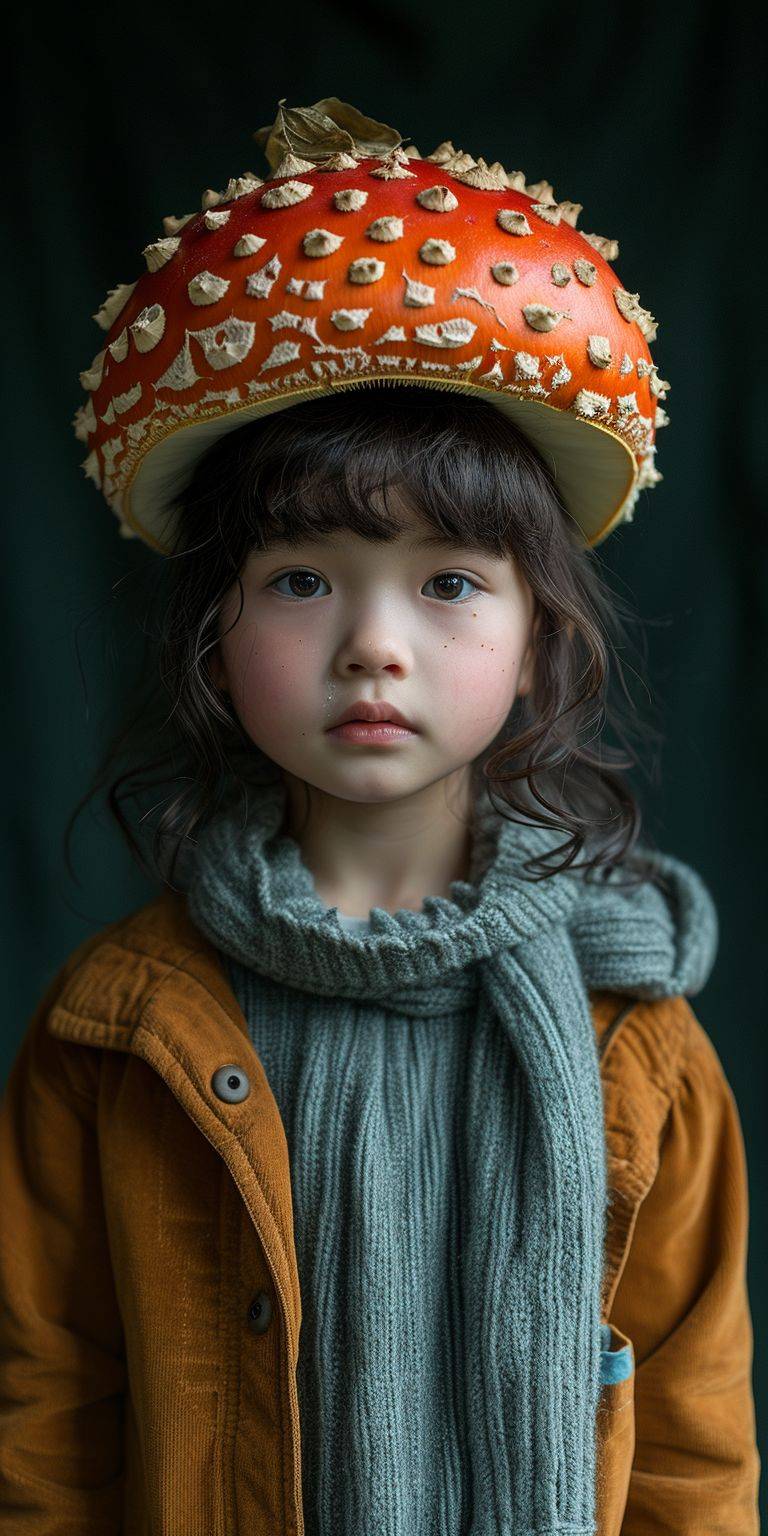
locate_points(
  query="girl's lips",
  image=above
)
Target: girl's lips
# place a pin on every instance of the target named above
(371, 731)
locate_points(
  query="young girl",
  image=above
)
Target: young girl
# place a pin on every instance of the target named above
(377, 1176)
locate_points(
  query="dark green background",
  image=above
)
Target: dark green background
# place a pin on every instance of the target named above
(649, 116)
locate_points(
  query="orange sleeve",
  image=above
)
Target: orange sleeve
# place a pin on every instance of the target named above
(62, 1373)
(682, 1299)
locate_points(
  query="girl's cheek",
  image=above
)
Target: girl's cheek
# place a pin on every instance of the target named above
(268, 681)
(480, 679)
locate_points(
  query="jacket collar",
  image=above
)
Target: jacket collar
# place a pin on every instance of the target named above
(149, 963)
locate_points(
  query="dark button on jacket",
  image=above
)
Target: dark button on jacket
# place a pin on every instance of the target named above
(260, 1312)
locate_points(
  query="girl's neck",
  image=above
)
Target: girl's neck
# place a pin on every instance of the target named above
(388, 854)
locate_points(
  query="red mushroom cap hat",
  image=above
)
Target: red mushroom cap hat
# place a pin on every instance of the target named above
(358, 260)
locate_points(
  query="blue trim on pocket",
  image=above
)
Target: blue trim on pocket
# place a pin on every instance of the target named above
(615, 1364)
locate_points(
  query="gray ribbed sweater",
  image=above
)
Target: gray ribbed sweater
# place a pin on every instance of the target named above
(437, 1079)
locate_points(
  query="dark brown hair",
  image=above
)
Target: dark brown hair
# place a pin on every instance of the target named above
(311, 470)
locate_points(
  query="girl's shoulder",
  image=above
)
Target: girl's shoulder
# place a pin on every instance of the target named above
(658, 1042)
(117, 969)
(102, 991)
(674, 1148)
(657, 1062)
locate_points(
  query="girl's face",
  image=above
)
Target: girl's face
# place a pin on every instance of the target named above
(443, 633)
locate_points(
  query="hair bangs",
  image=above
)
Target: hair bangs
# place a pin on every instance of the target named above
(462, 474)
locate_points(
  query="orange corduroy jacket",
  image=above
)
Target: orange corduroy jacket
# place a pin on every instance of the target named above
(149, 1294)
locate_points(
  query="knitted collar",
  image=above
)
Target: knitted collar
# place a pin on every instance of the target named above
(250, 891)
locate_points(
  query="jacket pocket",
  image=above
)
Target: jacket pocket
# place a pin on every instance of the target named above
(615, 1429)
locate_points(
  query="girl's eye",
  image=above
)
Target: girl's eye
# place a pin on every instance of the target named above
(303, 579)
(452, 578)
